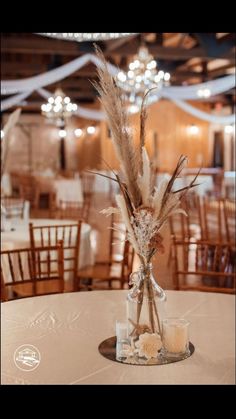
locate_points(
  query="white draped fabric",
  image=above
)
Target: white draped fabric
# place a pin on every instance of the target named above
(215, 119)
(191, 92)
(33, 83)
(175, 93)
(13, 100)
(99, 115)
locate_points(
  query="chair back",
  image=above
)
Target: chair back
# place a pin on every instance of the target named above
(88, 180)
(49, 235)
(191, 226)
(127, 262)
(24, 271)
(229, 208)
(73, 210)
(204, 266)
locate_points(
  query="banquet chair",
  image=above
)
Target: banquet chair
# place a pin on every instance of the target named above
(110, 271)
(117, 233)
(31, 272)
(73, 210)
(15, 207)
(229, 210)
(204, 266)
(28, 188)
(213, 227)
(88, 180)
(70, 234)
(188, 227)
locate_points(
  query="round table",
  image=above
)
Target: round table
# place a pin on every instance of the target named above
(19, 238)
(66, 329)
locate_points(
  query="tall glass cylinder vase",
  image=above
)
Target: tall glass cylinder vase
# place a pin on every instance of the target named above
(145, 312)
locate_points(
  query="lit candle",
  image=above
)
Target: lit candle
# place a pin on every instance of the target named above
(175, 335)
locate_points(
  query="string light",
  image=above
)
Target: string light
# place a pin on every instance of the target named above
(193, 129)
(78, 132)
(204, 93)
(229, 129)
(91, 130)
(62, 133)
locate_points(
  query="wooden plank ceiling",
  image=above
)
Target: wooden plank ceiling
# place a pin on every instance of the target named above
(189, 57)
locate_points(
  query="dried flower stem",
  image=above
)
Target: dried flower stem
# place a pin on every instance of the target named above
(140, 302)
(150, 303)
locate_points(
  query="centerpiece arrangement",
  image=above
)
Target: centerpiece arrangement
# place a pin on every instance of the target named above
(145, 209)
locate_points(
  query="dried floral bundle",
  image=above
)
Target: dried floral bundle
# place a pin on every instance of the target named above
(144, 209)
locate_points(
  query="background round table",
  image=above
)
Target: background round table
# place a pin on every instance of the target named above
(67, 329)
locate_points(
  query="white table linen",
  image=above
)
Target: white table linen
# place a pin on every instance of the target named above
(67, 329)
(68, 190)
(103, 184)
(6, 186)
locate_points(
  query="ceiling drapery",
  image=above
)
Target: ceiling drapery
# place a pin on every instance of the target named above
(177, 94)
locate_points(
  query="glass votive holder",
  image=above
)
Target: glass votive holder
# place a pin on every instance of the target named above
(175, 338)
(121, 339)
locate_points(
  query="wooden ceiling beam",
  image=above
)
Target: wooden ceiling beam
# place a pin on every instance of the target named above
(74, 83)
(40, 46)
(45, 46)
(229, 37)
(170, 53)
(111, 45)
(220, 71)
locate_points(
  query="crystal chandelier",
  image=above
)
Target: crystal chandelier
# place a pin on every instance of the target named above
(142, 76)
(58, 108)
(83, 37)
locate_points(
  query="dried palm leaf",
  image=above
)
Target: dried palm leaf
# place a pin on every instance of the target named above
(113, 103)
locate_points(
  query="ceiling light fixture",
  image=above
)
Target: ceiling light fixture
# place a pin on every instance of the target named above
(142, 75)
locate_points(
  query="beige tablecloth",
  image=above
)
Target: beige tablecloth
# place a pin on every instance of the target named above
(67, 329)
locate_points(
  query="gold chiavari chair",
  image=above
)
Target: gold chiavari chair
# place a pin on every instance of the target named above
(204, 266)
(73, 210)
(31, 272)
(88, 180)
(70, 234)
(188, 227)
(109, 271)
(229, 209)
(212, 225)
